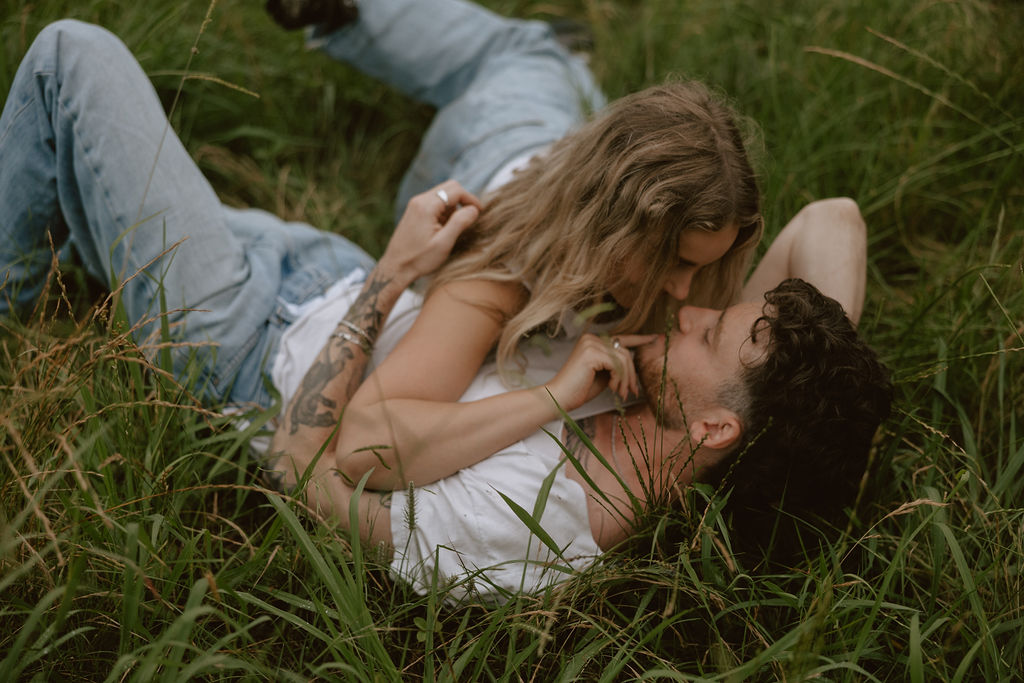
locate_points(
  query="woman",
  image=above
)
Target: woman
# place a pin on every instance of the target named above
(652, 199)
(653, 221)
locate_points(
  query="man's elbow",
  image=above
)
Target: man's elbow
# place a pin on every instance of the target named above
(372, 462)
(356, 452)
(839, 214)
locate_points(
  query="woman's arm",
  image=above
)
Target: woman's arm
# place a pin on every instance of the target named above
(408, 408)
(422, 240)
(824, 244)
(428, 440)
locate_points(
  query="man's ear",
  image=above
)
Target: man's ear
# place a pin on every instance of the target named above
(716, 427)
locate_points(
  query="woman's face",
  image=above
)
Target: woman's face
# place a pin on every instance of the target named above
(697, 248)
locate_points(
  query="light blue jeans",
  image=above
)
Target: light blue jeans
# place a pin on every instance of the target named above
(501, 86)
(87, 155)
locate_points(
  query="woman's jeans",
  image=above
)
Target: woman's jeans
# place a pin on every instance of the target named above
(501, 86)
(87, 158)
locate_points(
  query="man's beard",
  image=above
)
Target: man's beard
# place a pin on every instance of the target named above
(659, 390)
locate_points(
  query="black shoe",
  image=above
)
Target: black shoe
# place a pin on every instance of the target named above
(331, 14)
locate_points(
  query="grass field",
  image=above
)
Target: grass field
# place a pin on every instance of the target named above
(137, 544)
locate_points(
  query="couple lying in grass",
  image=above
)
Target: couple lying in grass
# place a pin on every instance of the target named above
(593, 268)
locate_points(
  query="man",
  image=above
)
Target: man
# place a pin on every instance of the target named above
(98, 171)
(778, 396)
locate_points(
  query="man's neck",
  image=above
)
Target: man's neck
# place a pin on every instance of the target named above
(666, 455)
(635, 452)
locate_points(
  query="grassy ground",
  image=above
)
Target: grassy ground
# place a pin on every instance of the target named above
(136, 544)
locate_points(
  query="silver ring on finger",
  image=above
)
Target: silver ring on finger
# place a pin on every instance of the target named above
(616, 344)
(443, 196)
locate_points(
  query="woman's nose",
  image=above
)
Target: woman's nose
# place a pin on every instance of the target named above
(678, 285)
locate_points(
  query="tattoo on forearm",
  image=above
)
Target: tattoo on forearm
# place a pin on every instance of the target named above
(313, 405)
(310, 398)
(365, 311)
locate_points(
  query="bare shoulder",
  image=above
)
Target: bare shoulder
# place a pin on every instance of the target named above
(497, 298)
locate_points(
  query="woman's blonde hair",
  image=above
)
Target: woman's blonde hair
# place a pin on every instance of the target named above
(622, 189)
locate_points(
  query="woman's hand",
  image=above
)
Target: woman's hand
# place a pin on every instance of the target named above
(428, 230)
(595, 363)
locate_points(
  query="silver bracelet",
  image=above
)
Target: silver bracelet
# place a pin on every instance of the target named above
(345, 336)
(358, 330)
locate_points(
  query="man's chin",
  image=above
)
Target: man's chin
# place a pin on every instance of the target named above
(649, 360)
(651, 351)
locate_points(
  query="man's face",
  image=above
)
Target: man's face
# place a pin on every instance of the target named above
(707, 350)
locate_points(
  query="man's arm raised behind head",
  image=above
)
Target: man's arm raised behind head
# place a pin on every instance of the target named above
(825, 244)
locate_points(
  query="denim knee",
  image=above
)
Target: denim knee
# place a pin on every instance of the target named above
(78, 44)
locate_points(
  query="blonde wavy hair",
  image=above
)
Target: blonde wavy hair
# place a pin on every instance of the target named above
(628, 183)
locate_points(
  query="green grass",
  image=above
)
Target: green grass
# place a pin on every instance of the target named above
(137, 544)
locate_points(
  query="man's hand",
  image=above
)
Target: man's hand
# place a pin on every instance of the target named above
(595, 363)
(428, 230)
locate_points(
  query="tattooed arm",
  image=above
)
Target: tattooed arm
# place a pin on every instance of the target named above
(422, 241)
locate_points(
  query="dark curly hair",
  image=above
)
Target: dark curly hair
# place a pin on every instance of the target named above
(809, 411)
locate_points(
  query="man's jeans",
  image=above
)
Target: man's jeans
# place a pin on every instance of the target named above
(87, 154)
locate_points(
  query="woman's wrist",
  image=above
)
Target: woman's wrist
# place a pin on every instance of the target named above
(398, 275)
